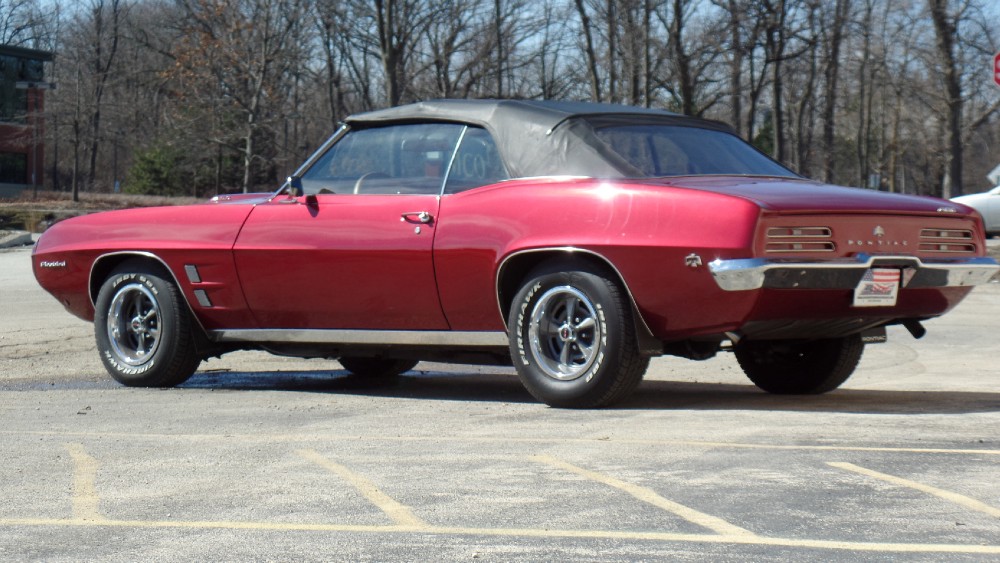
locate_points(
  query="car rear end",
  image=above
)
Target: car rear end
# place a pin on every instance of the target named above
(831, 274)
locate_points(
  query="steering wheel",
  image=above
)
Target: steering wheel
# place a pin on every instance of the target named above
(366, 176)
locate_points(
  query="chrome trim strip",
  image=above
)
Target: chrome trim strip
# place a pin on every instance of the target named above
(364, 337)
(451, 161)
(568, 250)
(751, 273)
(142, 253)
(971, 250)
(934, 234)
(340, 132)
(827, 232)
(799, 250)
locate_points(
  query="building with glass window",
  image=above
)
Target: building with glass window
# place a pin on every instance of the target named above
(22, 126)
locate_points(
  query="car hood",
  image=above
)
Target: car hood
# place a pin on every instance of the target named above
(800, 196)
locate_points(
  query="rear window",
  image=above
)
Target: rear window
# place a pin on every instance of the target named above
(674, 150)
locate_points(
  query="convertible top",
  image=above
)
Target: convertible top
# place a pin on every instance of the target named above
(538, 137)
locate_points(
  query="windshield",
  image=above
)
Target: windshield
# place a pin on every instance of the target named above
(674, 150)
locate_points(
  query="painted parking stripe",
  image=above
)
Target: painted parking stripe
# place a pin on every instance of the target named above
(669, 537)
(86, 502)
(329, 438)
(956, 498)
(649, 496)
(400, 514)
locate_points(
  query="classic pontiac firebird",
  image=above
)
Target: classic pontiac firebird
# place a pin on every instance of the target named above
(573, 240)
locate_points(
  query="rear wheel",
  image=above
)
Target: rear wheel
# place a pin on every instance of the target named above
(144, 328)
(376, 367)
(799, 367)
(572, 338)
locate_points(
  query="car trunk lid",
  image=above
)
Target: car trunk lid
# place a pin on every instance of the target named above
(800, 196)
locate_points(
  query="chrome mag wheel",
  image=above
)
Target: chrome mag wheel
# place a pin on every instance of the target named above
(134, 324)
(564, 333)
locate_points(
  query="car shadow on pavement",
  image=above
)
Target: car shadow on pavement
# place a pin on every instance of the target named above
(653, 395)
(719, 396)
(414, 385)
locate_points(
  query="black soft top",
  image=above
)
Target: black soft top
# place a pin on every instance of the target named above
(535, 137)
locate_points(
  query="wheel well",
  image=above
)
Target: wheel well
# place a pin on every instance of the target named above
(103, 267)
(106, 264)
(514, 272)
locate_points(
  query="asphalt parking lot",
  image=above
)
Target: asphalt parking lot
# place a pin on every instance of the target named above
(266, 458)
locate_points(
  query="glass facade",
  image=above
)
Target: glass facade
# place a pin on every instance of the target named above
(14, 102)
(13, 168)
(22, 148)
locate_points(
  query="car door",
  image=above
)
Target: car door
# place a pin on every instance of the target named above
(355, 250)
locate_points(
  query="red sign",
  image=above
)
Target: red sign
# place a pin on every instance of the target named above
(996, 69)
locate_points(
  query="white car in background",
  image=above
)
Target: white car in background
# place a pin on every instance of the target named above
(988, 205)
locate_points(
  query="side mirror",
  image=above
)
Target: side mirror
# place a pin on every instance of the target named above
(294, 186)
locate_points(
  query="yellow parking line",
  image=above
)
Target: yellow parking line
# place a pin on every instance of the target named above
(331, 438)
(664, 537)
(649, 496)
(956, 498)
(399, 513)
(85, 499)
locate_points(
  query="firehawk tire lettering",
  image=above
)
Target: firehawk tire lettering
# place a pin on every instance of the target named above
(553, 321)
(143, 328)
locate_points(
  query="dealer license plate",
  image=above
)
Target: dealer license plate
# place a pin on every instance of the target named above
(878, 288)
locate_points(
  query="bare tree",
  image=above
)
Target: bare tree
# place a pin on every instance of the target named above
(244, 48)
(103, 49)
(23, 23)
(235, 91)
(946, 35)
(833, 37)
(590, 52)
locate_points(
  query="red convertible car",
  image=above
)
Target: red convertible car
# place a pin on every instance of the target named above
(573, 240)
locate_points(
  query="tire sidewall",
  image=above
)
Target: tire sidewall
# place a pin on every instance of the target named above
(150, 372)
(597, 379)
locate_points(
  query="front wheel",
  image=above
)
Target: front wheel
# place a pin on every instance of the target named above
(799, 367)
(572, 338)
(144, 328)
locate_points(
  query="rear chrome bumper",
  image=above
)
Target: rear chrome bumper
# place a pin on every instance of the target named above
(845, 273)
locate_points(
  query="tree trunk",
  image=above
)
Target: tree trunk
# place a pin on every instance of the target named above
(736, 66)
(682, 61)
(102, 70)
(946, 33)
(498, 29)
(841, 11)
(595, 84)
(386, 14)
(612, 62)
(775, 39)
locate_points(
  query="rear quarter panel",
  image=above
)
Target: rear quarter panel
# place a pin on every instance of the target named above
(644, 231)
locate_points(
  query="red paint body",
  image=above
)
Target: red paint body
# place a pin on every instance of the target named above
(353, 262)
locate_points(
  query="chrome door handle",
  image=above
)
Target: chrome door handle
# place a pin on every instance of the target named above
(417, 217)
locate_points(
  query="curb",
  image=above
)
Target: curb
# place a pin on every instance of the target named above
(10, 239)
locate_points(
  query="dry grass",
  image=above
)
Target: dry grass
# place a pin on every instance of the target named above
(63, 201)
(35, 214)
